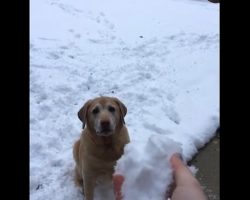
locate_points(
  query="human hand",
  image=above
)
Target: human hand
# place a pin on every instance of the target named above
(185, 187)
(118, 180)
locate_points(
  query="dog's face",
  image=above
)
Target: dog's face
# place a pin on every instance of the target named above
(103, 115)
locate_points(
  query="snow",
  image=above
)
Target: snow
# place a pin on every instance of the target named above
(141, 173)
(160, 58)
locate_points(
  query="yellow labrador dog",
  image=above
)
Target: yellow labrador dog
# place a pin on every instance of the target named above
(101, 143)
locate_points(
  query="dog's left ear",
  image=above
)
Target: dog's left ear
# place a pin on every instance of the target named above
(82, 113)
(123, 109)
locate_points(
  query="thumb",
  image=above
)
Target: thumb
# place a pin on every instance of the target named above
(182, 175)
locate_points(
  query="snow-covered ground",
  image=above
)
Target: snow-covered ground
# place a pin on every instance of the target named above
(161, 58)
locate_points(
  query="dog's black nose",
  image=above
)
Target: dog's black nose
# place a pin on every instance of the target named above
(105, 125)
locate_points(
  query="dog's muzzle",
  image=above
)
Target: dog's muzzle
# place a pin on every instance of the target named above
(105, 129)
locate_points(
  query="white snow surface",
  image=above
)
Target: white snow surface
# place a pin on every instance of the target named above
(160, 58)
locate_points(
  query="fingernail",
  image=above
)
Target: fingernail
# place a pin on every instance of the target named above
(179, 155)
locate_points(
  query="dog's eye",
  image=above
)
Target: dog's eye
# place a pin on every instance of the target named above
(95, 110)
(111, 109)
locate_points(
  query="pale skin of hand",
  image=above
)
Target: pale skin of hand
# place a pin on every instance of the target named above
(186, 187)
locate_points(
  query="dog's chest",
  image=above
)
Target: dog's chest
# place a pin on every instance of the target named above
(107, 153)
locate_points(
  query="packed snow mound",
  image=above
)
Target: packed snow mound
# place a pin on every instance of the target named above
(147, 169)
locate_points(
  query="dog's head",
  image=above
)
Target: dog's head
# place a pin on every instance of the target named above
(103, 115)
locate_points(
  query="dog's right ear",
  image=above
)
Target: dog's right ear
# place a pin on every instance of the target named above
(82, 113)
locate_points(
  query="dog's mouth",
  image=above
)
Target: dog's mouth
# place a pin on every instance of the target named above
(105, 132)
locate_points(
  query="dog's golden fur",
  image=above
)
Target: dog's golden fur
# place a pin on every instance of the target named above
(101, 143)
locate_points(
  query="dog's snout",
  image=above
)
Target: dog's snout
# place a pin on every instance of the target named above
(105, 125)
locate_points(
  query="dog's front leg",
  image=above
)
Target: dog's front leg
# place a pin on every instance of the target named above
(88, 185)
